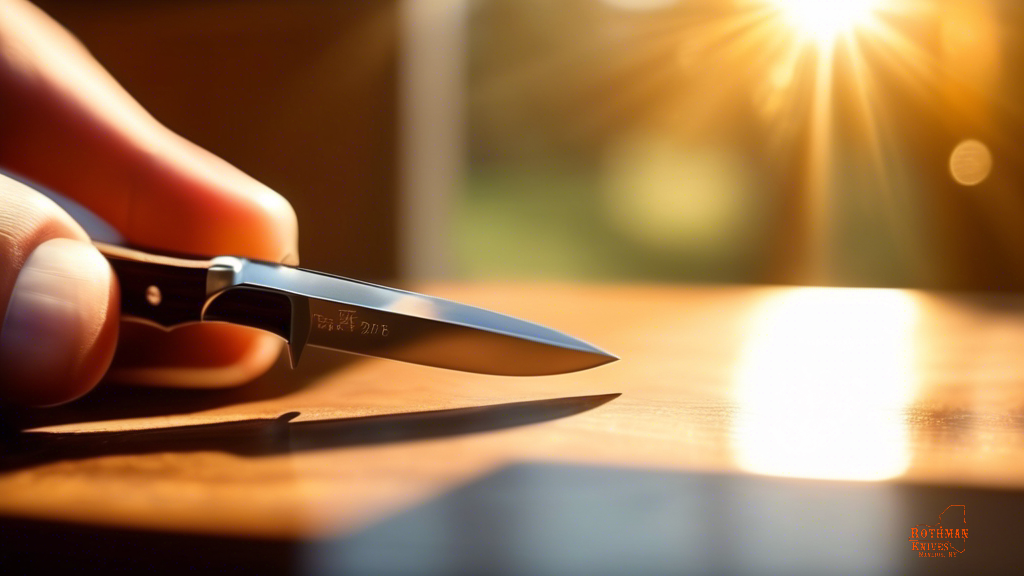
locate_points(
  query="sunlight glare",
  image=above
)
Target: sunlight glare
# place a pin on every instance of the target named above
(822, 21)
(823, 382)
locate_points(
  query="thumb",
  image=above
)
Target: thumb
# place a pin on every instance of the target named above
(58, 297)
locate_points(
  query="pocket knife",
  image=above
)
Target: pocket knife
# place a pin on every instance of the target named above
(308, 308)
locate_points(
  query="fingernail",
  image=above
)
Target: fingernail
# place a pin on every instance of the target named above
(55, 317)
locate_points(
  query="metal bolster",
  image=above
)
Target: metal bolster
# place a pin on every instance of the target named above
(224, 272)
(227, 272)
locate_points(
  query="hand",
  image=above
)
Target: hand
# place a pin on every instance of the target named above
(65, 123)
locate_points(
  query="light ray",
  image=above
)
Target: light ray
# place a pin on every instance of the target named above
(823, 22)
(692, 72)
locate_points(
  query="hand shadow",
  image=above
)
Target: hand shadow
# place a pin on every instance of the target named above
(265, 437)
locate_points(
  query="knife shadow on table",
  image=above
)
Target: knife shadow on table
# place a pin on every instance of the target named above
(266, 437)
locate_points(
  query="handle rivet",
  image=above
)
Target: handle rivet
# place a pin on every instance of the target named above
(153, 295)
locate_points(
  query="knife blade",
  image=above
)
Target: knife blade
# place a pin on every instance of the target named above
(309, 308)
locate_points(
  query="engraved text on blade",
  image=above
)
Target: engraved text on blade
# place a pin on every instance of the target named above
(348, 321)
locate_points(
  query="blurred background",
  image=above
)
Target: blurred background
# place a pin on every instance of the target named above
(853, 143)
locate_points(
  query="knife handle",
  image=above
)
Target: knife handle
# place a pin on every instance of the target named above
(167, 291)
(158, 289)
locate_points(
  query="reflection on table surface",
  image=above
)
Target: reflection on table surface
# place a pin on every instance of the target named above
(556, 519)
(822, 382)
(863, 399)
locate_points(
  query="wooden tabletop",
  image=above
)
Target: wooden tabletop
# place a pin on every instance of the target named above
(871, 385)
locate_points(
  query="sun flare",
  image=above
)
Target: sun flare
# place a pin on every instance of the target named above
(822, 21)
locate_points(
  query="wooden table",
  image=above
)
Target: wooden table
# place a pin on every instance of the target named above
(878, 386)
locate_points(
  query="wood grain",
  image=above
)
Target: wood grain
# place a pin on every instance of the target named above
(832, 383)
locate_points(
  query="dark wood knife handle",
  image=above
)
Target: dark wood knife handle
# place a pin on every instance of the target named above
(157, 289)
(168, 291)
